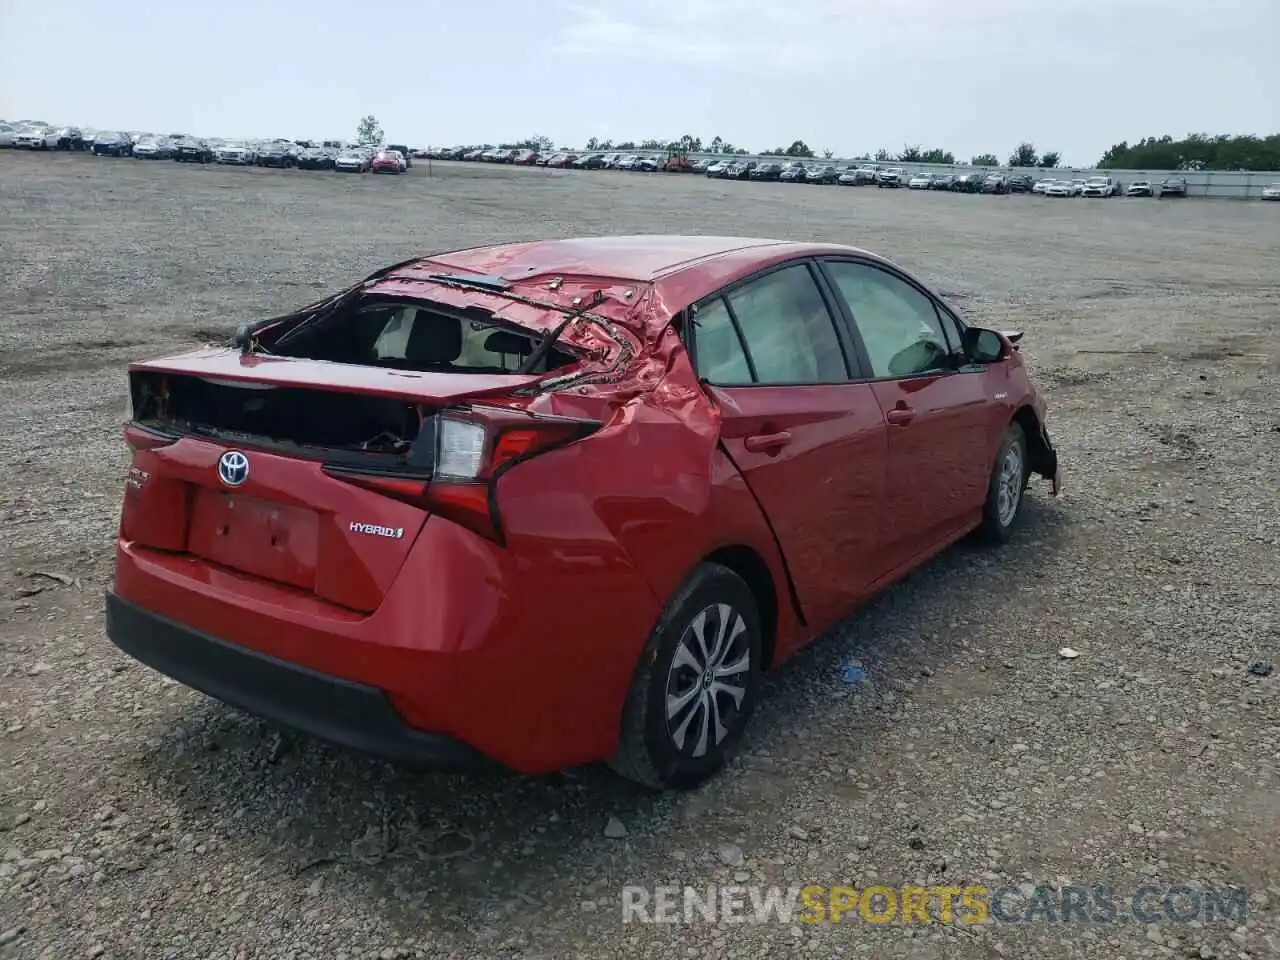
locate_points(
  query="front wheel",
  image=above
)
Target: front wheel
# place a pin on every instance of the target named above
(696, 684)
(1008, 482)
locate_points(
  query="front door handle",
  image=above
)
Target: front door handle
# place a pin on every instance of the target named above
(900, 416)
(767, 442)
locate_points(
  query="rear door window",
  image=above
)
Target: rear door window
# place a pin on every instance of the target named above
(721, 358)
(788, 331)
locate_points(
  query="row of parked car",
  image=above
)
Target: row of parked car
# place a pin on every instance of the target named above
(300, 154)
(979, 181)
(648, 162)
(397, 158)
(883, 176)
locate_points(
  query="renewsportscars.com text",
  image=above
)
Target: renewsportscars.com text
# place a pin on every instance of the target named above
(969, 904)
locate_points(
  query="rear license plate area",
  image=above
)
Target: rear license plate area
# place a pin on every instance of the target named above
(275, 541)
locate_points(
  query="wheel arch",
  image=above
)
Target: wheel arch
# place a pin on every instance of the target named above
(748, 564)
(1040, 454)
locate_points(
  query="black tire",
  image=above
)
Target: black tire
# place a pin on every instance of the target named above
(650, 752)
(998, 522)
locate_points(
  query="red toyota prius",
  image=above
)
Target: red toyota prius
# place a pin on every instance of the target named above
(548, 503)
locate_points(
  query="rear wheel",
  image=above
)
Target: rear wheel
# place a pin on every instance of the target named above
(1008, 482)
(696, 685)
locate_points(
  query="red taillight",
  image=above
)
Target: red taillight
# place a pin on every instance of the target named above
(467, 504)
(473, 448)
(409, 490)
(512, 444)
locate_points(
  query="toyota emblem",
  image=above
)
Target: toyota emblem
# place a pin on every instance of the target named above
(233, 468)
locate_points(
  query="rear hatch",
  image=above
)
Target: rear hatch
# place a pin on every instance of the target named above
(246, 463)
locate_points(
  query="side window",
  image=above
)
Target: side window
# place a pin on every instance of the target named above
(788, 330)
(951, 327)
(898, 323)
(721, 359)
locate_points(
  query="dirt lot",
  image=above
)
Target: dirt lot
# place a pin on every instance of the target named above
(139, 819)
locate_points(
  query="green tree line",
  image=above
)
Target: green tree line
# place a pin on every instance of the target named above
(1198, 151)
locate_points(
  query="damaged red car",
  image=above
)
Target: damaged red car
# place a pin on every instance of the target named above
(550, 503)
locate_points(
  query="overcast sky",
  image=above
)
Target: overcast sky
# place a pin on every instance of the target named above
(970, 76)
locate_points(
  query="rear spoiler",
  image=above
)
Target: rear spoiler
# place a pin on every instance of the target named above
(1013, 336)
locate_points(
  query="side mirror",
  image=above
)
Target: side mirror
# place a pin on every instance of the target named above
(984, 346)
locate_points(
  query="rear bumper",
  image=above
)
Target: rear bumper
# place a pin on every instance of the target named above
(344, 712)
(478, 643)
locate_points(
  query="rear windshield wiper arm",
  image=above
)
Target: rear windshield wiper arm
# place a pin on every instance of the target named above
(544, 346)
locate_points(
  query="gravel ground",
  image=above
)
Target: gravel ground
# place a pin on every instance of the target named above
(139, 819)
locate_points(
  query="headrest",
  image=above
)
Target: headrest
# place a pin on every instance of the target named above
(505, 342)
(434, 340)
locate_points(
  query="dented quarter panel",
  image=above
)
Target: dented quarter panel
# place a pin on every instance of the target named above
(665, 495)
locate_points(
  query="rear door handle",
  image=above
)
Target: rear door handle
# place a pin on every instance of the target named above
(767, 442)
(900, 416)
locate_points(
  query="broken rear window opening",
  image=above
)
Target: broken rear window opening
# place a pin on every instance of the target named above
(390, 334)
(416, 336)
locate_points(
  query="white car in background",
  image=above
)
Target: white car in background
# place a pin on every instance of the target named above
(1060, 188)
(36, 138)
(235, 152)
(1101, 187)
(7, 132)
(1271, 191)
(920, 181)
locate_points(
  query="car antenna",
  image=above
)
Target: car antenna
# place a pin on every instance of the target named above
(544, 346)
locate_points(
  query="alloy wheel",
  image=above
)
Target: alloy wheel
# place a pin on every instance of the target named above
(1009, 485)
(706, 682)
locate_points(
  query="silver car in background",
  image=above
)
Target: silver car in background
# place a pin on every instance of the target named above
(36, 138)
(152, 148)
(352, 161)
